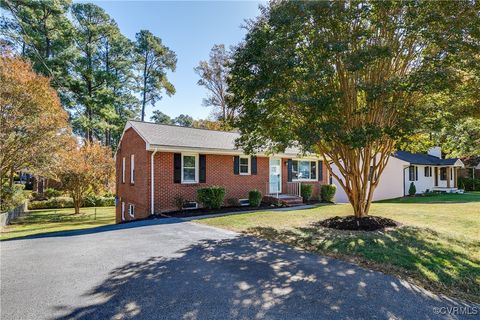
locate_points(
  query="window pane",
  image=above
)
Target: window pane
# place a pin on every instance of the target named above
(304, 170)
(313, 170)
(243, 161)
(294, 169)
(189, 174)
(243, 168)
(189, 161)
(411, 171)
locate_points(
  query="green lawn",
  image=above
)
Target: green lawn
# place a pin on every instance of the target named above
(438, 247)
(51, 220)
(438, 197)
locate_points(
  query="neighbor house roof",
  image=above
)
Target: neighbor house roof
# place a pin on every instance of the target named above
(472, 162)
(424, 159)
(172, 136)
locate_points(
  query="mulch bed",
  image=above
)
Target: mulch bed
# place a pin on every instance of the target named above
(369, 223)
(203, 211)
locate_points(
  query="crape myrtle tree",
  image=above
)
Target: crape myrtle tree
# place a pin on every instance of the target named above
(344, 79)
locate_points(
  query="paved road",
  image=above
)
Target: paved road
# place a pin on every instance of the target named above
(180, 270)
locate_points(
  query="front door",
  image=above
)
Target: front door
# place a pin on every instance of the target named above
(436, 176)
(275, 180)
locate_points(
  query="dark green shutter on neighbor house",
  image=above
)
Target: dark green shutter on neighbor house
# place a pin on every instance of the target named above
(202, 176)
(254, 165)
(236, 165)
(320, 170)
(177, 168)
(289, 170)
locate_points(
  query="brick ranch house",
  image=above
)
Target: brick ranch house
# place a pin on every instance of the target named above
(155, 164)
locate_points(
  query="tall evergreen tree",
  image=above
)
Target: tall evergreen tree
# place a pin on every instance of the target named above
(101, 74)
(41, 32)
(154, 60)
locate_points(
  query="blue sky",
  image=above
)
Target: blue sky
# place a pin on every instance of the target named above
(190, 28)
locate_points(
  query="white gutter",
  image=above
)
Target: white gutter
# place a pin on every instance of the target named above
(152, 172)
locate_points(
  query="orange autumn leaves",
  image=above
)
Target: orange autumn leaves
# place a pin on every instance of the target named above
(32, 120)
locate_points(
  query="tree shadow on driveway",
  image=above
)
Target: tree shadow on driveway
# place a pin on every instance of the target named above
(249, 278)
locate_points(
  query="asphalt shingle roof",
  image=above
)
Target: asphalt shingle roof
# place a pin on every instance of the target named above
(423, 159)
(187, 137)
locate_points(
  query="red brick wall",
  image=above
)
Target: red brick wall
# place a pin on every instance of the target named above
(137, 193)
(219, 171)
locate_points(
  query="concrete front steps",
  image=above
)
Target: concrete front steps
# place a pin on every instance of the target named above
(288, 200)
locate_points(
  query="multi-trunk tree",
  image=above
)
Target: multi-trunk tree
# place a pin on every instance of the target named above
(345, 79)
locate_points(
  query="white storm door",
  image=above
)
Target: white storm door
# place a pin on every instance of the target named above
(275, 178)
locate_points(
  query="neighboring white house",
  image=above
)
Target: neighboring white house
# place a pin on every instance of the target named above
(428, 172)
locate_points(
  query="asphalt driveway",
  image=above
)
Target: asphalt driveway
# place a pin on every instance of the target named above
(167, 269)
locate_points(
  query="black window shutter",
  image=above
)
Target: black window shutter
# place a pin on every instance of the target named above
(253, 169)
(320, 170)
(289, 170)
(313, 170)
(177, 167)
(416, 173)
(202, 176)
(236, 165)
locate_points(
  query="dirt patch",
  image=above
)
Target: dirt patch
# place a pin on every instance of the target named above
(369, 223)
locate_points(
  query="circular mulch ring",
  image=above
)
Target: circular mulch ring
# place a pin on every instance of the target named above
(369, 223)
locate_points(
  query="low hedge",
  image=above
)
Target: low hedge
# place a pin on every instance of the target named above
(254, 198)
(52, 193)
(306, 191)
(67, 202)
(211, 197)
(327, 192)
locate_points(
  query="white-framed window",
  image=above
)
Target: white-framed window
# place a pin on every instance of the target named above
(244, 165)
(304, 170)
(413, 173)
(123, 211)
(123, 170)
(443, 173)
(132, 168)
(428, 171)
(189, 168)
(131, 210)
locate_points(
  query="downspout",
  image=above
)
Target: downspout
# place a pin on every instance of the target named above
(152, 187)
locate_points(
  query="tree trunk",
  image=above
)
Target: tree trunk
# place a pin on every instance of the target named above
(359, 171)
(10, 181)
(76, 204)
(144, 100)
(77, 207)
